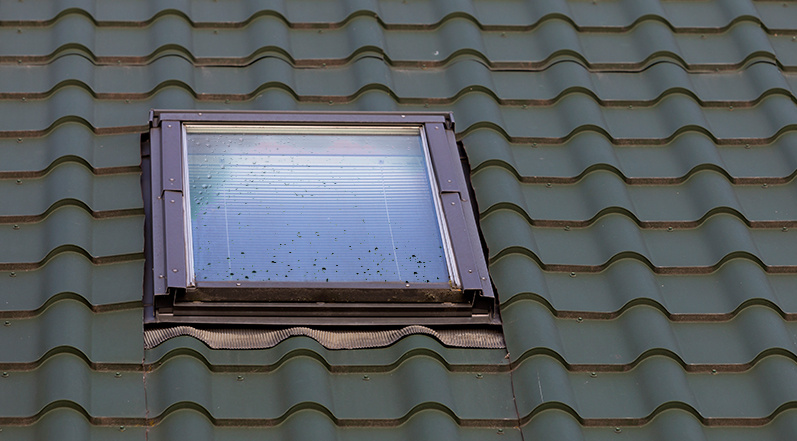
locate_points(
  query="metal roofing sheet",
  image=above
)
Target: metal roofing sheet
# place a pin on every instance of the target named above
(599, 193)
(442, 85)
(655, 124)
(750, 161)
(736, 284)
(688, 15)
(643, 331)
(641, 115)
(635, 48)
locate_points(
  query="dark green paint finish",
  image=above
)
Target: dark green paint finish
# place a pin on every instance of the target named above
(61, 378)
(719, 295)
(71, 275)
(567, 161)
(108, 338)
(643, 331)
(636, 395)
(71, 181)
(316, 424)
(640, 114)
(599, 192)
(444, 83)
(72, 227)
(302, 382)
(604, 15)
(655, 124)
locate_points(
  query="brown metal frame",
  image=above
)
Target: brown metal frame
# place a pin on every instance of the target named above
(168, 299)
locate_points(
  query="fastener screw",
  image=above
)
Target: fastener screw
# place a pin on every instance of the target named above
(479, 376)
(617, 430)
(118, 375)
(500, 431)
(240, 378)
(572, 274)
(593, 374)
(121, 428)
(13, 274)
(669, 228)
(5, 374)
(19, 181)
(579, 319)
(6, 323)
(174, 270)
(784, 229)
(366, 378)
(16, 227)
(567, 227)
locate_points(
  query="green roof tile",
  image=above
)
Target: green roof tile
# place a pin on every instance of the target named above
(592, 128)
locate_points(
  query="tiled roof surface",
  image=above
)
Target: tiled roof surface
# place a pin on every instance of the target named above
(633, 162)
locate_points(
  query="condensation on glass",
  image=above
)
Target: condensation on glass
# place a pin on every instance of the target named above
(313, 204)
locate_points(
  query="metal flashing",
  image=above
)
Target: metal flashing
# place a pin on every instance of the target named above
(237, 338)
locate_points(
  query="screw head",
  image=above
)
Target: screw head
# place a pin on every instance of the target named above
(117, 375)
(479, 376)
(16, 227)
(174, 270)
(366, 378)
(6, 323)
(572, 274)
(240, 378)
(593, 374)
(5, 374)
(617, 430)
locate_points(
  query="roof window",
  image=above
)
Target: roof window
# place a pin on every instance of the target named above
(309, 218)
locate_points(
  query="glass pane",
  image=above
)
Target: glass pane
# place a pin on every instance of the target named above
(306, 205)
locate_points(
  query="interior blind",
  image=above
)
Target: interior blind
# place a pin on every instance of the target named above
(313, 207)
